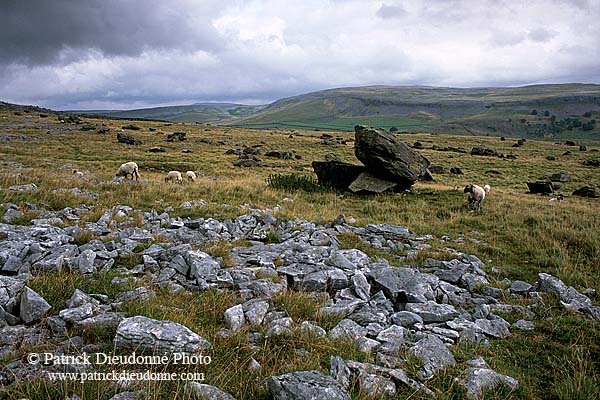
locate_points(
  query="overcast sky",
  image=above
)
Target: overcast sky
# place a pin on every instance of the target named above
(86, 54)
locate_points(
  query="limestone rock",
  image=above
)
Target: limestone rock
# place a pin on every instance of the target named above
(33, 306)
(161, 337)
(305, 385)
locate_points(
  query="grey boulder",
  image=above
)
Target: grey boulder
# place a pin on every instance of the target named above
(160, 337)
(33, 306)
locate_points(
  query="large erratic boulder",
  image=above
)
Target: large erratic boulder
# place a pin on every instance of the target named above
(389, 164)
(387, 157)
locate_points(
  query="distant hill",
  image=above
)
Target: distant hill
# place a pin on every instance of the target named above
(199, 112)
(567, 110)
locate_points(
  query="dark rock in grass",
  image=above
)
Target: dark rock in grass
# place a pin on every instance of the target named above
(582, 148)
(493, 172)
(550, 158)
(566, 153)
(586, 191)
(126, 139)
(481, 380)
(131, 127)
(305, 385)
(336, 174)
(540, 187)
(437, 169)
(387, 157)
(87, 127)
(157, 150)
(246, 163)
(480, 151)
(456, 171)
(103, 130)
(282, 155)
(560, 177)
(570, 143)
(591, 163)
(176, 136)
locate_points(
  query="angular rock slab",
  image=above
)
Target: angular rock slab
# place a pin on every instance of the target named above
(159, 337)
(305, 385)
(33, 306)
(369, 183)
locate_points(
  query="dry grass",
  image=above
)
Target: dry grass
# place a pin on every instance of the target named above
(517, 233)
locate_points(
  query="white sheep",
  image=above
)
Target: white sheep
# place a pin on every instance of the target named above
(128, 168)
(174, 176)
(78, 173)
(476, 194)
(191, 176)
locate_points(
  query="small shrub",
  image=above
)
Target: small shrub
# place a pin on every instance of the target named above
(294, 182)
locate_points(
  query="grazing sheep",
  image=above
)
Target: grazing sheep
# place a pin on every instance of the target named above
(128, 168)
(78, 173)
(191, 176)
(174, 176)
(476, 194)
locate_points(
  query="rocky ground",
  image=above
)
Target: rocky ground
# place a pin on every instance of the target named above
(389, 309)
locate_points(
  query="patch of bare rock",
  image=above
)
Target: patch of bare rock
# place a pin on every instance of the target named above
(386, 309)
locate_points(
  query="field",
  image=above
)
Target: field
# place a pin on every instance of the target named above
(516, 234)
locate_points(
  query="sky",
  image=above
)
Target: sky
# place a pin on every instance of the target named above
(124, 54)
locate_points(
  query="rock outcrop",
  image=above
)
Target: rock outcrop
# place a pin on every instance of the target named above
(389, 164)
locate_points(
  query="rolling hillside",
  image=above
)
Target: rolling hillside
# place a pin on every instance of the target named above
(538, 111)
(535, 111)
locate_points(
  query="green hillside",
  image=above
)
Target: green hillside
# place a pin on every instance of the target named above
(539, 111)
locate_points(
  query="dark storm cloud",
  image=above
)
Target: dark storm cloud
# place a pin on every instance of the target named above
(38, 32)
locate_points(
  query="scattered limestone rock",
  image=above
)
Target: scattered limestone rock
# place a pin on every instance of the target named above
(160, 337)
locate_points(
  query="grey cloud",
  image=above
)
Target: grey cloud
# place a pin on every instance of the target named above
(540, 35)
(502, 38)
(38, 32)
(392, 11)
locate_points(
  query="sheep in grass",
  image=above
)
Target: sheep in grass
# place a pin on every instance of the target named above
(191, 176)
(475, 195)
(174, 176)
(78, 173)
(128, 168)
